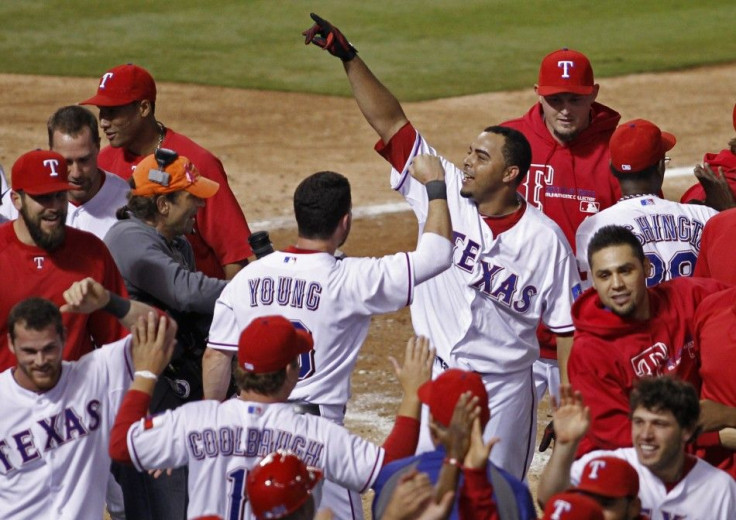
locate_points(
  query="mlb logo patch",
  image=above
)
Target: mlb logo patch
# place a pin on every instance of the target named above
(589, 206)
(289, 259)
(647, 202)
(255, 409)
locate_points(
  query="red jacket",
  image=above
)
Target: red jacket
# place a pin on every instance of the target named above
(726, 160)
(610, 353)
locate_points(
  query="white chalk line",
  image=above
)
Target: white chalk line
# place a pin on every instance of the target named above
(396, 207)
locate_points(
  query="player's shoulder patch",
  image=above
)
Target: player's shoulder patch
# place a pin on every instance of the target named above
(577, 290)
(152, 421)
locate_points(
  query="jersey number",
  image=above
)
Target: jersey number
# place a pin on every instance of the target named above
(306, 361)
(237, 494)
(682, 263)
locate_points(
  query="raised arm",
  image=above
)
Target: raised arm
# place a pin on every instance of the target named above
(379, 106)
(571, 420)
(87, 296)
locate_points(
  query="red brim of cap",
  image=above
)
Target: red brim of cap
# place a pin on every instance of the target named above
(102, 100)
(203, 188)
(668, 141)
(551, 91)
(45, 189)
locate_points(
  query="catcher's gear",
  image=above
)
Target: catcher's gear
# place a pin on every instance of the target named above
(324, 34)
(280, 484)
(547, 437)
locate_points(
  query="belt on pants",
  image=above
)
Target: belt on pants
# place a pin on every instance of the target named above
(302, 408)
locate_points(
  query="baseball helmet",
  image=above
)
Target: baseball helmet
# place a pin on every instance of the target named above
(280, 484)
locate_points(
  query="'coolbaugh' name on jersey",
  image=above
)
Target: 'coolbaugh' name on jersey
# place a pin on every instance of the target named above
(33, 442)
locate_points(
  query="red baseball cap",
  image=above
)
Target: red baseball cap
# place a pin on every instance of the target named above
(280, 484)
(181, 174)
(572, 506)
(609, 477)
(565, 71)
(40, 172)
(441, 394)
(638, 144)
(122, 85)
(270, 343)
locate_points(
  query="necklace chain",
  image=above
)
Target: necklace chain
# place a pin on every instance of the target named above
(161, 134)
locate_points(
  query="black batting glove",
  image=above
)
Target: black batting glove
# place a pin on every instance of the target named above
(547, 437)
(325, 35)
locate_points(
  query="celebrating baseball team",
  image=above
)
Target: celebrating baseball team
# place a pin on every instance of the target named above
(154, 368)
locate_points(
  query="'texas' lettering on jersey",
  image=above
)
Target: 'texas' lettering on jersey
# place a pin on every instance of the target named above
(24, 446)
(498, 282)
(286, 292)
(234, 441)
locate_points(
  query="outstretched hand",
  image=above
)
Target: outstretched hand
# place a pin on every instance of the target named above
(412, 499)
(417, 367)
(456, 436)
(571, 417)
(85, 296)
(426, 168)
(478, 452)
(154, 339)
(328, 37)
(718, 194)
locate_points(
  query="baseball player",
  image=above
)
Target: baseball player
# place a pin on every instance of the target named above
(625, 331)
(715, 190)
(672, 484)
(568, 179)
(56, 416)
(333, 299)
(717, 248)
(95, 194)
(222, 442)
(512, 266)
(281, 485)
(670, 233)
(441, 395)
(126, 97)
(715, 323)
(7, 210)
(38, 249)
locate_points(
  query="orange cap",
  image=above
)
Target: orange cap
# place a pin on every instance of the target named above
(181, 174)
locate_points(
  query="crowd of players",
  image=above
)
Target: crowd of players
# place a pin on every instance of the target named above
(150, 369)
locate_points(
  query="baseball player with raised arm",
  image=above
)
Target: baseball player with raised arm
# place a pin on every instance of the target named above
(56, 416)
(332, 298)
(222, 442)
(672, 483)
(669, 232)
(512, 266)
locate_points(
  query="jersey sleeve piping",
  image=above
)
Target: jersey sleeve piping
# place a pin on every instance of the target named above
(131, 448)
(409, 281)
(222, 346)
(374, 472)
(405, 171)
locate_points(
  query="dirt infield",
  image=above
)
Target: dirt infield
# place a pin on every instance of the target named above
(268, 141)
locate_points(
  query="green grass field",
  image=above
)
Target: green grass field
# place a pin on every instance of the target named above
(422, 48)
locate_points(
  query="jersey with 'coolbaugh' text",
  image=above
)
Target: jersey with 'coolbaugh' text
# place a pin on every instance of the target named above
(483, 312)
(221, 442)
(54, 460)
(331, 298)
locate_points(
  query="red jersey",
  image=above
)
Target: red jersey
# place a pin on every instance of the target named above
(571, 181)
(718, 248)
(610, 353)
(725, 159)
(715, 336)
(27, 271)
(221, 233)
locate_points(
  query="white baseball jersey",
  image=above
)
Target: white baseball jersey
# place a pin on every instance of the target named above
(482, 313)
(332, 298)
(7, 210)
(221, 442)
(97, 215)
(668, 231)
(705, 493)
(54, 460)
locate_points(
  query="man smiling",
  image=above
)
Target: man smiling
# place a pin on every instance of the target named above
(626, 331)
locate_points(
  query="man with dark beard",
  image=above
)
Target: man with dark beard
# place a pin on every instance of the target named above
(41, 256)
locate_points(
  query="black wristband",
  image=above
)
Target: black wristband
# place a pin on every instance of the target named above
(117, 306)
(436, 190)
